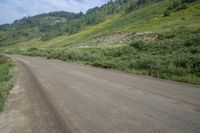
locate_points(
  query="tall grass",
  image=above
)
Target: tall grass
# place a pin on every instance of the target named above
(6, 79)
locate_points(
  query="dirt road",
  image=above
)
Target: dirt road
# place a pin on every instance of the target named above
(54, 97)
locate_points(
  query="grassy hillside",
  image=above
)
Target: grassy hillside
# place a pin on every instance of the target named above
(44, 26)
(50, 25)
(160, 39)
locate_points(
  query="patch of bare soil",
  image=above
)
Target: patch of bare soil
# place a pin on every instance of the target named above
(119, 38)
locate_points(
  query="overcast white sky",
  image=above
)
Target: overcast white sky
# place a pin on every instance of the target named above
(11, 10)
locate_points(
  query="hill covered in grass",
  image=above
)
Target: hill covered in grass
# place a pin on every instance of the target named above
(160, 38)
(50, 25)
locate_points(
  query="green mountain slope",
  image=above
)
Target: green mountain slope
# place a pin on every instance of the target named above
(37, 26)
(50, 25)
(157, 38)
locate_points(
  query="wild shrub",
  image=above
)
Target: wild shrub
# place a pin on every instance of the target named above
(188, 1)
(90, 58)
(105, 64)
(70, 55)
(181, 7)
(194, 50)
(139, 45)
(196, 66)
(3, 59)
(117, 52)
(192, 40)
(166, 13)
(183, 62)
(145, 63)
(32, 49)
(175, 4)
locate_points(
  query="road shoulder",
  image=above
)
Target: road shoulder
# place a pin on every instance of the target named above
(26, 110)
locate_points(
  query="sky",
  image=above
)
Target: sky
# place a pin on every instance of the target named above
(11, 10)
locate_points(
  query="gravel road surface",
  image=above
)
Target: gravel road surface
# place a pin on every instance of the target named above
(52, 96)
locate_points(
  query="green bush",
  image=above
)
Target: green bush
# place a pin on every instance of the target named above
(3, 59)
(181, 7)
(196, 67)
(90, 58)
(32, 49)
(105, 64)
(166, 13)
(117, 52)
(194, 50)
(192, 40)
(188, 1)
(140, 45)
(183, 62)
(145, 63)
